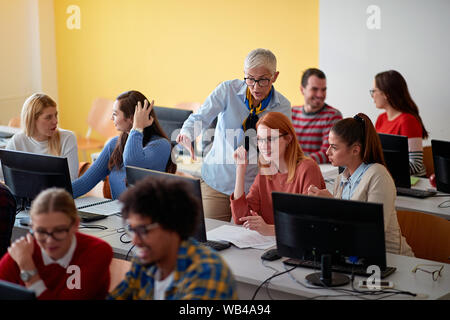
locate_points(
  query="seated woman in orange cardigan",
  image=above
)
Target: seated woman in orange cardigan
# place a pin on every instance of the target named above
(282, 167)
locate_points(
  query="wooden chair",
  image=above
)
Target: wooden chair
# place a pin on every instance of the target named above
(428, 160)
(117, 269)
(428, 235)
(14, 122)
(99, 120)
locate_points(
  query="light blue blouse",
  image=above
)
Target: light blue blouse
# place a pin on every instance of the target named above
(351, 183)
(227, 103)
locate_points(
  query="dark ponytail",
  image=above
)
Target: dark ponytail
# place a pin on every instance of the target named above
(360, 129)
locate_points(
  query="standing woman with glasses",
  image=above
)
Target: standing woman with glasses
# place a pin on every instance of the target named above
(355, 145)
(55, 260)
(401, 116)
(237, 105)
(282, 167)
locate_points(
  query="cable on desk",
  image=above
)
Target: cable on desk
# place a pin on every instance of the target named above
(270, 278)
(263, 262)
(93, 226)
(126, 258)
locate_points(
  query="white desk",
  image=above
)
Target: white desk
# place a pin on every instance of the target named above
(250, 272)
(12, 130)
(194, 167)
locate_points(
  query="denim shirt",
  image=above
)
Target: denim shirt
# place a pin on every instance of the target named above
(227, 103)
(350, 183)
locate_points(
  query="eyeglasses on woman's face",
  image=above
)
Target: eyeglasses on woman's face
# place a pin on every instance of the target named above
(59, 233)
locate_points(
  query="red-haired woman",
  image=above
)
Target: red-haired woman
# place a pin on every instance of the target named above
(282, 167)
(355, 145)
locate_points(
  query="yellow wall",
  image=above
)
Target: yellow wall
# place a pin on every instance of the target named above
(176, 50)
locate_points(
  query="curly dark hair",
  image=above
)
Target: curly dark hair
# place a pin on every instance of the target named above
(166, 201)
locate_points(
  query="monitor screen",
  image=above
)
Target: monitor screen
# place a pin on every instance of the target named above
(171, 120)
(11, 291)
(307, 227)
(135, 174)
(441, 161)
(396, 156)
(27, 174)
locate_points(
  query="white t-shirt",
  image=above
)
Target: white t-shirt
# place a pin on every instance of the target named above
(69, 149)
(161, 285)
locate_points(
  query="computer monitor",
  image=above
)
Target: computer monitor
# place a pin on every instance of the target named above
(396, 156)
(11, 291)
(27, 174)
(307, 227)
(135, 174)
(441, 161)
(171, 119)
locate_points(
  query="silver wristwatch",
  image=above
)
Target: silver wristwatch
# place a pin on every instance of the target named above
(26, 275)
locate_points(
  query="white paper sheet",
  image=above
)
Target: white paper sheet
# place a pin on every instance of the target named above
(241, 237)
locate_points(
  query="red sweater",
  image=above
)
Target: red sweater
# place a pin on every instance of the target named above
(92, 255)
(404, 125)
(259, 198)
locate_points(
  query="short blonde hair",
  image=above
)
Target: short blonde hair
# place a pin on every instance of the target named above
(54, 200)
(31, 110)
(261, 58)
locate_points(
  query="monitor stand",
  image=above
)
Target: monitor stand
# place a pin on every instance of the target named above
(337, 279)
(326, 278)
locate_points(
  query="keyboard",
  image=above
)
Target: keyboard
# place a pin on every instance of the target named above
(348, 269)
(217, 245)
(89, 216)
(416, 193)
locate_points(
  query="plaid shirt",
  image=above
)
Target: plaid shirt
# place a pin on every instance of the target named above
(7, 217)
(200, 274)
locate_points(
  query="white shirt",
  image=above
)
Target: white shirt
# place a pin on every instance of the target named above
(162, 285)
(69, 149)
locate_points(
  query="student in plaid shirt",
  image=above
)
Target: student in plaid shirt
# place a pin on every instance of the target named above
(7, 217)
(170, 265)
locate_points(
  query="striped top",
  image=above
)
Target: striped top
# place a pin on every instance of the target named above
(312, 129)
(200, 274)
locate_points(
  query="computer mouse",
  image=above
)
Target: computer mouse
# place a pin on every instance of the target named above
(271, 255)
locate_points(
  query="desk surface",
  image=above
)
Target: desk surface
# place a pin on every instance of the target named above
(250, 271)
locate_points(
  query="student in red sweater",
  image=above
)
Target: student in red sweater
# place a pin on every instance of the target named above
(55, 260)
(401, 116)
(282, 167)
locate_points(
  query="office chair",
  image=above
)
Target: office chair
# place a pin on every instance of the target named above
(428, 160)
(428, 235)
(14, 122)
(99, 120)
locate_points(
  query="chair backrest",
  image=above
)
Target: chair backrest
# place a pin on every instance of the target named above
(428, 160)
(117, 269)
(82, 167)
(14, 122)
(428, 235)
(171, 120)
(99, 117)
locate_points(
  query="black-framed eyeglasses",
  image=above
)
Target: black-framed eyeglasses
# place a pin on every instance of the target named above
(141, 231)
(434, 274)
(261, 82)
(57, 234)
(270, 140)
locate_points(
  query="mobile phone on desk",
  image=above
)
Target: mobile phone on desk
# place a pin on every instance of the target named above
(380, 285)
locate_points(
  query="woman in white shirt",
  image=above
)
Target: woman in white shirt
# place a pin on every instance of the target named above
(40, 133)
